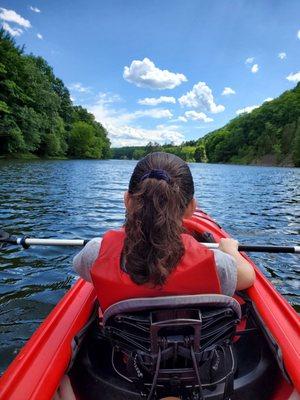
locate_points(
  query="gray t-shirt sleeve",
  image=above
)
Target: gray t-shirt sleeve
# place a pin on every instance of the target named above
(83, 261)
(227, 272)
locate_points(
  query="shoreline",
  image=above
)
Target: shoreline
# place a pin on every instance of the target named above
(33, 157)
(252, 164)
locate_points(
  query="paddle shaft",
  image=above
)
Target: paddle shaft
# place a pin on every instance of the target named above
(26, 242)
(260, 248)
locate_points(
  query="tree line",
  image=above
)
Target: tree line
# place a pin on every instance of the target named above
(36, 113)
(270, 131)
(188, 151)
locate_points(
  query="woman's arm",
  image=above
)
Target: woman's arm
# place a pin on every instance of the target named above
(83, 261)
(245, 271)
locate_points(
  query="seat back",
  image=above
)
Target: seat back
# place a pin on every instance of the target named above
(173, 343)
(152, 303)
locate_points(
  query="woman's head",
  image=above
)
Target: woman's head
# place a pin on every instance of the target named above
(160, 195)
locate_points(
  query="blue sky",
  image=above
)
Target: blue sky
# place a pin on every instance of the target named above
(157, 70)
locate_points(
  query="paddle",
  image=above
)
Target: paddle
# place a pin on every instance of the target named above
(25, 241)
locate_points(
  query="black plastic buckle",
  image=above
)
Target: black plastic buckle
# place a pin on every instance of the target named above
(23, 243)
(171, 327)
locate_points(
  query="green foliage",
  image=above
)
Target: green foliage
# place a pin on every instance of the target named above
(200, 153)
(36, 112)
(84, 142)
(268, 130)
(296, 145)
(138, 154)
(187, 153)
(16, 142)
(4, 109)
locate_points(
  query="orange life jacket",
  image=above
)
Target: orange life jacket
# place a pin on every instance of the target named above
(195, 274)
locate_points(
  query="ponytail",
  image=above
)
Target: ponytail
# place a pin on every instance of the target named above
(160, 189)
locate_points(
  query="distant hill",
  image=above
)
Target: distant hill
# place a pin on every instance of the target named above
(269, 135)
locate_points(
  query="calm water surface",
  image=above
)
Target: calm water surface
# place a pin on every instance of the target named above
(82, 199)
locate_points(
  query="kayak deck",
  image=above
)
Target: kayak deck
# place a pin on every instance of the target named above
(39, 367)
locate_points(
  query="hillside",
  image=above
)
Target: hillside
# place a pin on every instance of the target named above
(37, 117)
(269, 135)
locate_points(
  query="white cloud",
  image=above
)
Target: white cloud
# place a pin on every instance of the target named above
(182, 119)
(156, 113)
(72, 98)
(246, 110)
(254, 68)
(12, 31)
(78, 87)
(294, 77)
(35, 9)
(249, 60)
(108, 98)
(298, 34)
(227, 91)
(104, 100)
(40, 36)
(145, 74)
(282, 55)
(201, 98)
(251, 108)
(153, 101)
(122, 133)
(12, 16)
(197, 116)
(132, 136)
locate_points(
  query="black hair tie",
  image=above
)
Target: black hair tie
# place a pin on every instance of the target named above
(158, 174)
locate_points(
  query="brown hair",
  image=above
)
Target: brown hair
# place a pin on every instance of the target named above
(160, 189)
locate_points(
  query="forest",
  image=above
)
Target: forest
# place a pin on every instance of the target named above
(270, 134)
(37, 117)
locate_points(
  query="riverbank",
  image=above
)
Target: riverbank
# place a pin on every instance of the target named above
(30, 156)
(268, 160)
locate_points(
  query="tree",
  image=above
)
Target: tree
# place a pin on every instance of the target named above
(200, 154)
(138, 154)
(83, 142)
(152, 147)
(296, 146)
(187, 153)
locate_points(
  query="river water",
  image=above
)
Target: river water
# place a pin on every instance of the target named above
(83, 199)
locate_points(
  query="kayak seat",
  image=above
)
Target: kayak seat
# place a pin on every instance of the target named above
(183, 346)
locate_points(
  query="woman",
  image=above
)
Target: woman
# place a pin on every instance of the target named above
(153, 255)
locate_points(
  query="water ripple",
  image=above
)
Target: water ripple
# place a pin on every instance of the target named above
(82, 199)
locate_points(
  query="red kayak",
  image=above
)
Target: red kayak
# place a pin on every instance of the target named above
(266, 343)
